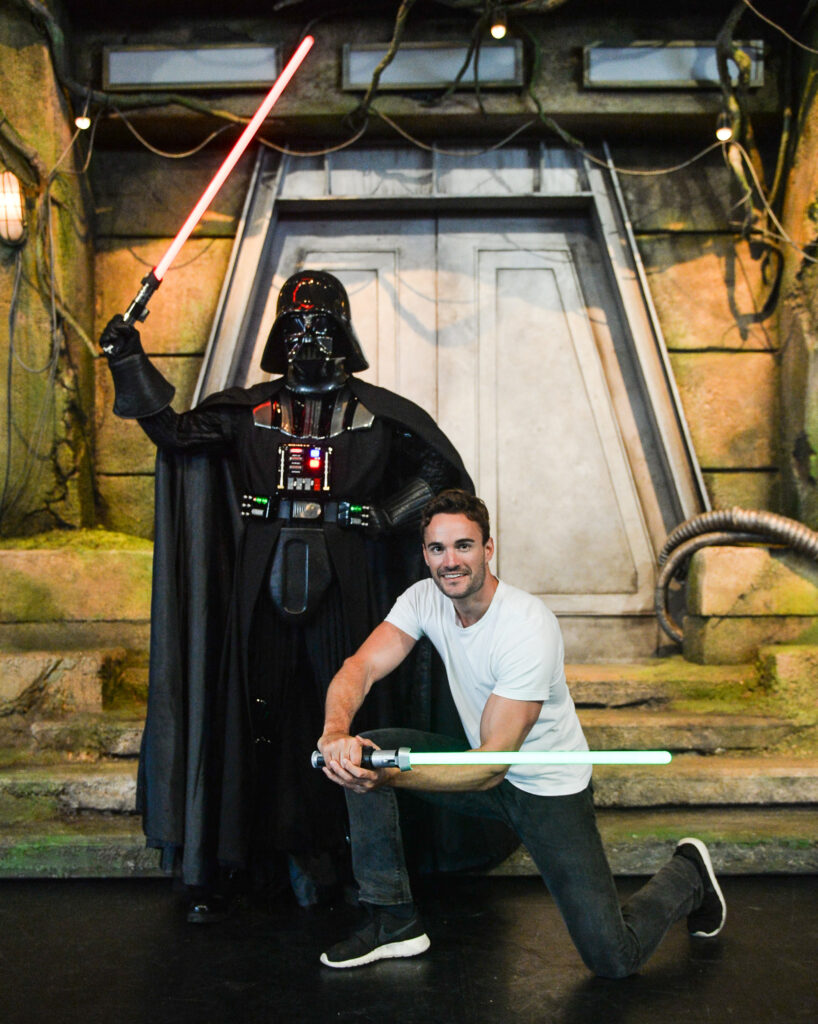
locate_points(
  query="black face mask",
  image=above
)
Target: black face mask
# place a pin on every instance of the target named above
(310, 336)
(311, 340)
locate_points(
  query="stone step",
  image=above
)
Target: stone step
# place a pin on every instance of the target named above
(77, 820)
(115, 735)
(55, 683)
(87, 846)
(105, 735)
(607, 729)
(741, 841)
(689, 780)
(655, 681)
(66, 789)
(692, 780)
(52, 598)
(62, 583)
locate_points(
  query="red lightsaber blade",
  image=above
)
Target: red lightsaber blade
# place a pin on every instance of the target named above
(138, 308)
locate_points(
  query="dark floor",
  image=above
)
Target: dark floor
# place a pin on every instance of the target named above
(120, 952)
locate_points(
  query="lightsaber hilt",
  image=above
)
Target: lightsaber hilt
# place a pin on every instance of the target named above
(138, 309)
(372, 758)
(404, 759)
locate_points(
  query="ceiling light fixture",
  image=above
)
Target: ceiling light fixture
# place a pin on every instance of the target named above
(499, 24)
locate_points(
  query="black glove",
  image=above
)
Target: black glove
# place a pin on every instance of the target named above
(140, 390)
(119, 339)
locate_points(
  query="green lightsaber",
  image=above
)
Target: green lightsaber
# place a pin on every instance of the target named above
(404, 759)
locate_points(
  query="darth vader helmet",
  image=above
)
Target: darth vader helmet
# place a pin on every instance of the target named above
(312, 324)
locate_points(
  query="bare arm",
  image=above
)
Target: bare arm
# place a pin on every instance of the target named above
(382, 651)
(504, 726)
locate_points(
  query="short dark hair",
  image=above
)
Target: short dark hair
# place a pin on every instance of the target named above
(453, 502)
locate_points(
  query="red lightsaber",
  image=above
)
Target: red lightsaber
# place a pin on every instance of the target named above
(138, 308)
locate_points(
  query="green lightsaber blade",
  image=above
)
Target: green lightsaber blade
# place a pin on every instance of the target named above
(405, 759)
(543, 757)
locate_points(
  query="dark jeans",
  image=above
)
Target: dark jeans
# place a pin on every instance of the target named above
(561, 835)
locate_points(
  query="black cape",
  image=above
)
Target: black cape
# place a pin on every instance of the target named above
(196, 764)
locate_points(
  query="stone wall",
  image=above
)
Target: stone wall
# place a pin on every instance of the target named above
(799, 307)
(141, 201)
(47, 421)
(720, 328)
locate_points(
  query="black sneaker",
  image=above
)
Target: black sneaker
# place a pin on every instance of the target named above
(707, 920)
(383, 936)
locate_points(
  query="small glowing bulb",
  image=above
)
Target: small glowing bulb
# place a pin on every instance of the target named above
(82, 122)
(499, 25)
(724, 129)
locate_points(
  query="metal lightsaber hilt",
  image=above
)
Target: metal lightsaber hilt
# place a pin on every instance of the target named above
(404, 759)
(372, 758)
(138, 309)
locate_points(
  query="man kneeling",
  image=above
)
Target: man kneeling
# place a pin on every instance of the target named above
(503, 654)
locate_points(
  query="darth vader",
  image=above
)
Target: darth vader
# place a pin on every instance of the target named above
(286, 525)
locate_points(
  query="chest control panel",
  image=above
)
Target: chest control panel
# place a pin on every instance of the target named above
(304, 468)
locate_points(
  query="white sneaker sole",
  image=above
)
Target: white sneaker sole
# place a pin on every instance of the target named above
(391, 950)
(705, 855)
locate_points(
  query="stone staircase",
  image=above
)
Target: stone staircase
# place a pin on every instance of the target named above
(744, 775)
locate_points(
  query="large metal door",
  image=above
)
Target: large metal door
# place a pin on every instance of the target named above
(484, 324)
(516, 325)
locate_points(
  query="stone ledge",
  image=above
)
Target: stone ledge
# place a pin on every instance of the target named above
(57, 683)
(749, 581)
(741, 842)
(20, 637)
(75, 586)
(86, 848)
(637, 843)
(705, 733)
(790, 671)
(75, 788)
(689, 780)
(731, 640)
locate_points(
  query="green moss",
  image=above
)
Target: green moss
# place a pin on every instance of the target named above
(809, 636)
(26, 811)
(77, 540)
(676, 669)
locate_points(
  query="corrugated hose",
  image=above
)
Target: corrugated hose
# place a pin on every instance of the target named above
(736, 526)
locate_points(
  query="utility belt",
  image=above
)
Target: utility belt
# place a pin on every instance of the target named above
(301, 512)
(301, 569)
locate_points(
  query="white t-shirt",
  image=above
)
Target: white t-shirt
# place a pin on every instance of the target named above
(515, 650)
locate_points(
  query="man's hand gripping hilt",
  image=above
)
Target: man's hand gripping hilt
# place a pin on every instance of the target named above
(372, 758)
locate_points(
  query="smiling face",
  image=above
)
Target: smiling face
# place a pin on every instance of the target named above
(456, 555)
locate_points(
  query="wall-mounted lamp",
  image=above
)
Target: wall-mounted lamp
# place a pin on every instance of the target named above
(499, 24)
(83, 121)
(12, 209)
(724, 127)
